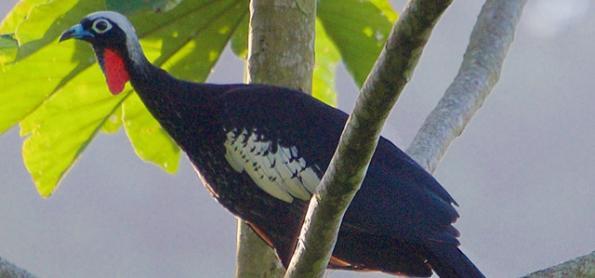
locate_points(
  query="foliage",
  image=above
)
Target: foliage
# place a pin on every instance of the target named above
(60, 99)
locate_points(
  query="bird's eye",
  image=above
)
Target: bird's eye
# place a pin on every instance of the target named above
(101, 26)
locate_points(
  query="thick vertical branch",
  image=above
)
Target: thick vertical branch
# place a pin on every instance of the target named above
(349, 164)
(9, 270)
(489, 43)
(281, 43)
(280, 52)
(254, 257)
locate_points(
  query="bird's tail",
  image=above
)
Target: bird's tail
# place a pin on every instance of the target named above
(448, 261)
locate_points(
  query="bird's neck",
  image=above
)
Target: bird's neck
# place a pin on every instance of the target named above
(146, 78)
(138, 66)
(157, 89)
(183, 108)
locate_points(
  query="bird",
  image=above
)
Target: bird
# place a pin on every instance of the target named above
(261, 150)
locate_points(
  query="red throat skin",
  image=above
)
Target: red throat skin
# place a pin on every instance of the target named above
(116, 74)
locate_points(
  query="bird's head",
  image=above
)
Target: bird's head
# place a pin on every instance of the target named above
(115, 43)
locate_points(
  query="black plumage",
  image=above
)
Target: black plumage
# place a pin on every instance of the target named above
(261, 149)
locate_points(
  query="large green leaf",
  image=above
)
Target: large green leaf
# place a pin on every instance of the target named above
(239, 40)
(62, 102)
(25, 85)
(60, 97)
(327, 58)
(131, 6)
(358, 29)
(150, 141)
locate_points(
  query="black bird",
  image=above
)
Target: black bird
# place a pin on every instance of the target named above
(261, 151)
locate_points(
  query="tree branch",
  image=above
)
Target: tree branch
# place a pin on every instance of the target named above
(254, 257)
(478, 74)
(580, 267)
(281, 58)
(482, 63)
(349, 164)
(489, 43)
(277, 56)
(9, 270)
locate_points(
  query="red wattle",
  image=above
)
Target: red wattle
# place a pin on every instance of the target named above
(116, 74)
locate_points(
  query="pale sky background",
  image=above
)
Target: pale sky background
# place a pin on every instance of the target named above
(523, 171)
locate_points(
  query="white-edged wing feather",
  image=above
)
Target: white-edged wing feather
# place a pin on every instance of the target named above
(282, 173)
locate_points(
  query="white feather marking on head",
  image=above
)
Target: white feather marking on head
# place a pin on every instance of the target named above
(132, 43)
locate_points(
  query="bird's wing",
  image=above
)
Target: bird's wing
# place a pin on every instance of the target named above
(404, 199)
(283, 148)
(278, 170)
(278, 134)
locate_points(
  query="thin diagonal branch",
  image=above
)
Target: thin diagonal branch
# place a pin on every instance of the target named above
(580, 267)
(349, 164)
(9, 270)
(489, 43)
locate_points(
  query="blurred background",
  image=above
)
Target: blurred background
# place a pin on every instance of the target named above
(523, 171)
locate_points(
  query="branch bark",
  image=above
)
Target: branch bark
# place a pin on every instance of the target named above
(580, 267)
(479, 72)
(278, 55)
(489, 43)
(349, 164)
(285, 58)
(9, 270)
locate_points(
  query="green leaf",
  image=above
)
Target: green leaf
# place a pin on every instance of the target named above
(113, 122)
(359, 30)
(327, 58)
(7, 41)
(239, 40)
(60, 99)
(150, 141)
(60, 96)
(56, 139)
(212, 27)
(18, 14)
(131, 6)
(40, 69)
(386, 9)
(8, 48)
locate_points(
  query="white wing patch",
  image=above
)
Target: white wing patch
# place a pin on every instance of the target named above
(282, 174)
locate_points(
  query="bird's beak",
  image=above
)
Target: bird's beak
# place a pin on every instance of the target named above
(77, 32)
